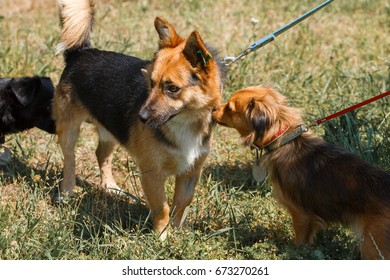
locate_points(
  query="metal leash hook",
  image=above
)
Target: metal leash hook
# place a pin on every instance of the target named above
(271, 37)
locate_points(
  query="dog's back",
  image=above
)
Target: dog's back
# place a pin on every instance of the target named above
(329, 175)
(109, 85)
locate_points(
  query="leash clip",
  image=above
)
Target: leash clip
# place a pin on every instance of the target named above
(258, 154)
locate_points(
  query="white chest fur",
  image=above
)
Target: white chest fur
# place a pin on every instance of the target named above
(190, 145)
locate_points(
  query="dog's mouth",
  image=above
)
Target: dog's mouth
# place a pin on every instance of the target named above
(222, 123)
(47, 125)
(158, 122)
(169, 118)
(217, 120)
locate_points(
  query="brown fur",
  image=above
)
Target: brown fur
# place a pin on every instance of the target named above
(170, 134)
(319, 183)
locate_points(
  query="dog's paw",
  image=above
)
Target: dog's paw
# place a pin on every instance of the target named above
(112, 188)
(58, 198)
(5, 155)
(62, 197)
(163, 235)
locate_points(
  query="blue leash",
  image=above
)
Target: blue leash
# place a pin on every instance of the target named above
(269, 38)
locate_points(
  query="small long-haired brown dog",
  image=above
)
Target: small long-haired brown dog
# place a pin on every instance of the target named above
(162, 115)
(319, 183)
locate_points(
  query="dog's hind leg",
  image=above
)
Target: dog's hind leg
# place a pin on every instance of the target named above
(68, 132)
(375, 244)
(104, 154)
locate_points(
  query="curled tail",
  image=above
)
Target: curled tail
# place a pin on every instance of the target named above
(76, 20)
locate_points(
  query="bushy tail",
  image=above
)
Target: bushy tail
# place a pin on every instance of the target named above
(76, 20)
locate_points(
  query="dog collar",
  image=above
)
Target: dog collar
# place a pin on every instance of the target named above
(277, 135)
(284, 139)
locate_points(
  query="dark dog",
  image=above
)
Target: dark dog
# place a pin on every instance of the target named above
(163, 119)
(24, 103)
(319, 183)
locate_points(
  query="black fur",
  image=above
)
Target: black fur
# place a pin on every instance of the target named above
(259, 120)
(26, 103)
(110, 85)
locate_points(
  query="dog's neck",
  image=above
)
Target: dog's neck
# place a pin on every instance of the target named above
(189, 140)
(277, 135)
(2, 139)
(181, 130)
(281, 138)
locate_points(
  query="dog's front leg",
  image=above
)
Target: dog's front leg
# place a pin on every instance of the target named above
(184, 190)
(153, 186)
(304, 228)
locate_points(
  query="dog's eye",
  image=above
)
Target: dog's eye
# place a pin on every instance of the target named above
(172, 89)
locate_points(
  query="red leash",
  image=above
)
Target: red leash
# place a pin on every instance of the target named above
(342, 112)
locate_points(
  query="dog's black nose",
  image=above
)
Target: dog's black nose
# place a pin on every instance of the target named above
(143, 115)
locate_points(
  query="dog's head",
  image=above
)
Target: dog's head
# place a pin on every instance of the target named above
(26, 103)
(257, 113)
(184, 79)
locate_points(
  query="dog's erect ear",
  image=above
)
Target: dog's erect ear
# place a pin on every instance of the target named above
(167, 34)
(258, 120)
(24, 90)
(196, 52)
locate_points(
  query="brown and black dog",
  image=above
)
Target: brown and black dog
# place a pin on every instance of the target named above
(319, 183)
(162, 115)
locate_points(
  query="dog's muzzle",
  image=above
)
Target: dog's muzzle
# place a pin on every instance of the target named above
(148, 118)
(144, 115)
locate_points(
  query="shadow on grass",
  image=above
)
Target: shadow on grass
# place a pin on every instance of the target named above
(236, 176)
(97, 210)
(334, 243)
(331, 244)
(100, 212)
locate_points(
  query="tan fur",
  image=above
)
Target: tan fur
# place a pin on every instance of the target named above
(76, 19)
(319, 183)
(172, 66)
(182, 118)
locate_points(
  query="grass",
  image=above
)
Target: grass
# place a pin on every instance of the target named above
(336, 58)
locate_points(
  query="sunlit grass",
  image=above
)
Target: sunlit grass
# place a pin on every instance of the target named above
(336, 58)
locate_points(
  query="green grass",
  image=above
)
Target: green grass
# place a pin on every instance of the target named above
(336, 58)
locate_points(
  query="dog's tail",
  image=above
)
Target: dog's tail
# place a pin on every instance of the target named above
(76, 20)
